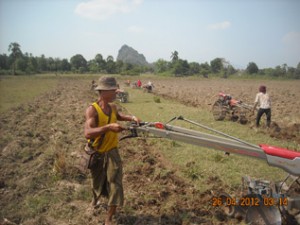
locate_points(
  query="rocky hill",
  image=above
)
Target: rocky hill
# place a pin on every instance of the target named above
(129, 55)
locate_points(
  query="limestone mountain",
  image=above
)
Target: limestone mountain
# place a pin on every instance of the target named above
(129, 55)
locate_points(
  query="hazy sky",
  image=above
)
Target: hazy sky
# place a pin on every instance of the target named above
(266, 32)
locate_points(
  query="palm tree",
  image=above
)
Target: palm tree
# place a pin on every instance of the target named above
(110, 65)
(99, 59)
(174, 56)
(100, 62)
(15, 53)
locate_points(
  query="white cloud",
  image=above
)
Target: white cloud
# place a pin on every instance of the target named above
(135, 29)
(220, 26)
(103, 9)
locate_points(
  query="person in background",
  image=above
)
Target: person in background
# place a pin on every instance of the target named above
(101, 129)
(93, 84)
(139, 83)
(149, 86)
(263, 100)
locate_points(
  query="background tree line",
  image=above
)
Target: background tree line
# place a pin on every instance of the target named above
(18, 63)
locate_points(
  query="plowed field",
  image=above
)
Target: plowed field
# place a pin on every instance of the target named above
(40, 142)
(40, 182)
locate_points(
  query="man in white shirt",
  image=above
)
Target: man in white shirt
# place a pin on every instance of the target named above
(263, 100)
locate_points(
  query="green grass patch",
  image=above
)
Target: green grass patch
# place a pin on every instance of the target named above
(15, 90)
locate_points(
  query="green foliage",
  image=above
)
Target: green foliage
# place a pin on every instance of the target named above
(252, 68)
(180, 68)
(204, 69)
(231, 70)
(281, 72)
(63, 65)
(78, 63)
(194, 68)
(4, 62)
(160, 66)
(18, 63)
(216, 65)
(16, 53)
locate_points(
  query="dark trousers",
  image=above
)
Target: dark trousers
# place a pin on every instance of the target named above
(107, 175)
(260, 113)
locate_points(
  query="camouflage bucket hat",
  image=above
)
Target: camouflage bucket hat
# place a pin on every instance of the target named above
(106, 83)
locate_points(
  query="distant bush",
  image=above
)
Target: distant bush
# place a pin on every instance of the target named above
(5, 72)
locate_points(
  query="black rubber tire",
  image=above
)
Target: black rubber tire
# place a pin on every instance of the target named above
(219, 111)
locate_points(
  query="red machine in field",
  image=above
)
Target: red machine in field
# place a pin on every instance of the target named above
(228, 106)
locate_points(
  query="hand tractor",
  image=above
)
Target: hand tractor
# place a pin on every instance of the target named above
(122, 96)
(226, 105)
(259, 202)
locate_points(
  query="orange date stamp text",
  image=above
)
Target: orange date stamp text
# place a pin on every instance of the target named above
(249, 201)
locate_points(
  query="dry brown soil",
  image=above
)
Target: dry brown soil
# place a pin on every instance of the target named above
(40, 183)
